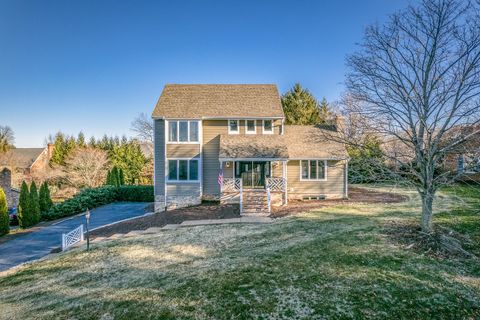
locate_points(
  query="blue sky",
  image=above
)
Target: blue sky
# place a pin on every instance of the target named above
(93, 65)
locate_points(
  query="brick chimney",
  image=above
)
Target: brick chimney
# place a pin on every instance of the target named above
(339, 123)
(50, 148)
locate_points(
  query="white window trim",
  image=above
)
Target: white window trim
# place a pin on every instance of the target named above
(238, 126)
(178, 132)
(263, 127)
(178, 171)
(254, 126)
(325, 165)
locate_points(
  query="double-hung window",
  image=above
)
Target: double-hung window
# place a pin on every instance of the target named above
(313, 170)
(233, 126)
(250, 127)
(183, 131)
(267, 126)
(182, 170)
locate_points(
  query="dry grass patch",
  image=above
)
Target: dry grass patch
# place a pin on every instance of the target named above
(329, 263)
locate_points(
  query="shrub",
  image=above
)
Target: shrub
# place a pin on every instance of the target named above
(4, 218)
(94, 197)
(24, 213)
(34, 203)
(135, 193)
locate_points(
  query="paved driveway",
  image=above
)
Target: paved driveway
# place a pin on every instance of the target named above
(39, 243)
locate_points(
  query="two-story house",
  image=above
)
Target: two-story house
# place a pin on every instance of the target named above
(230, 143)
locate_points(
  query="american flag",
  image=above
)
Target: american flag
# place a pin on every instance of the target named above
(220, 178)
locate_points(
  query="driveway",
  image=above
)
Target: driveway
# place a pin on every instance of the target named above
(39, 243)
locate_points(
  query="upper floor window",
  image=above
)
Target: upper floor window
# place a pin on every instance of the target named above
(183, 131)
(267, 126)
(250, 127)
(233, 126)
(313, 170)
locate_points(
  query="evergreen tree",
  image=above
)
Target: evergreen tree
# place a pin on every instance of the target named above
(92, 142)
(23, 211)
(81, 140)
(108, 181)
(300, 106)
(325, 114)
(4, 218)
(45, 199)
(58, 155)
(34, 203)
(130, 159)
(114, 176)
(121, 177)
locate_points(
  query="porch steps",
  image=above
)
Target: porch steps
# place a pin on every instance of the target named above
(255, 203)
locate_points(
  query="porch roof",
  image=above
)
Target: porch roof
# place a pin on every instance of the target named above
(252, 147)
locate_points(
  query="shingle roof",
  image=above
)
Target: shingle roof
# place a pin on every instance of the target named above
(313, 142)
(197, 101)
(21, 157)
(252, 147)
(298, 142)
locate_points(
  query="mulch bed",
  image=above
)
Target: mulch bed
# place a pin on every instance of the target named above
(356, 195)
(441, 243)
(226, 211)
(200, 212)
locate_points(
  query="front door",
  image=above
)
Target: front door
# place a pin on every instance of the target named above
(253, 173)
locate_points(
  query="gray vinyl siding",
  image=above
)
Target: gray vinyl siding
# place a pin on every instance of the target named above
(183, 189)
(333, 187)
(159, 140)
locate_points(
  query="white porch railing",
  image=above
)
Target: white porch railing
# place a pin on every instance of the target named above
(73, 237)
(234, 185)
(231, 184)
(269, 199)
(276, 184)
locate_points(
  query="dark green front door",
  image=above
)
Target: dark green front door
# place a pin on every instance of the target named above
(253, 173)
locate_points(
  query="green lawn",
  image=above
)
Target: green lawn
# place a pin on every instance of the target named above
(334, 263)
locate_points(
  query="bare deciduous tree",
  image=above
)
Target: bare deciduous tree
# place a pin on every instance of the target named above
(86, 167)
(143, 127)
(7, 138)
(417, 80)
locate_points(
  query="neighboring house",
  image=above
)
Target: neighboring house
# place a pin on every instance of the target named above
(464, 158)
(230, 143)
(19, 164)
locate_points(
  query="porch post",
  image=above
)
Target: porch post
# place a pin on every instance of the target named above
(284, 174)
(221, 184)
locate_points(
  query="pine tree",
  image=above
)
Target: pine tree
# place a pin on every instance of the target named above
(92, 143)
(121, 177)
(4, 218)
(34, 203)
(58, 155)
(108, 181)
(24, 216)
(324, 111)
(81, 140)
(114, 176)
(300, 106)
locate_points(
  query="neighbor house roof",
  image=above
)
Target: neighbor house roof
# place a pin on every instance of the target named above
(21, 157)
(252, 147)
(315, 142)
(196, 101)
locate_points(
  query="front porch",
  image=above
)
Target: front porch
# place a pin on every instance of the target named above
(256, 185)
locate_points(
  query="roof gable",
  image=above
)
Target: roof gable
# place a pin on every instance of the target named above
(196, 101)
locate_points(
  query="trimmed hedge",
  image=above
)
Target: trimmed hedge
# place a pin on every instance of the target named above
(94, 197)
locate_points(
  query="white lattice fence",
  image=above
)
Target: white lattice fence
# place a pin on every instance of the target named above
(231, 184)
(73, 237)
(276, 184)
